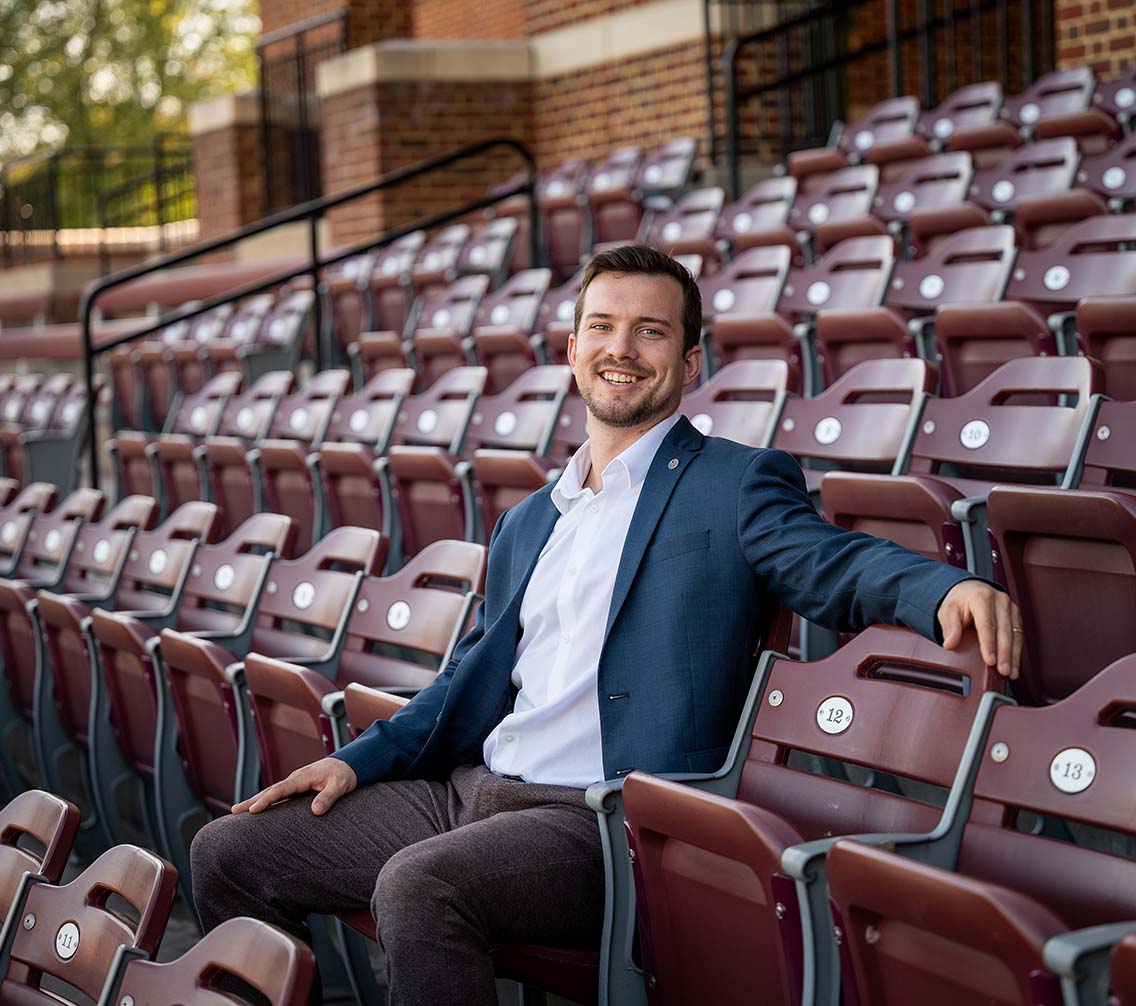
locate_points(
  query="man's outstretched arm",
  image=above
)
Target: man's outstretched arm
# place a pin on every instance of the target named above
(847, 581)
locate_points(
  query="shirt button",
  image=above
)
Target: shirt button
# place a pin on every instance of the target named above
(594, 508)
(509, 738)
(565, 639)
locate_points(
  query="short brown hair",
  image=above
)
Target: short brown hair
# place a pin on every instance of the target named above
(643, 260)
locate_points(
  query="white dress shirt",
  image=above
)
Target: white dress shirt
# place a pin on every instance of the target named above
(553, 733)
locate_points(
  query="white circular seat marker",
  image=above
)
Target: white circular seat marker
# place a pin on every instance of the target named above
(1072, 770)
(834, 714)
(224, 576)
(304, 595)
(818, 293)
(198, 417)
(1003, 191)
(974, 434)
(505, 424)
(1056, 277)
(672, 230)
(742, 222)
(358, 421)
(500, 314)
(828, 430)
(101, 552)
(398, 615)
(158, 561)
(1113, 178)
(931, 286)
(723, 300)
(427, 421)
(67, 940)
(52, 540)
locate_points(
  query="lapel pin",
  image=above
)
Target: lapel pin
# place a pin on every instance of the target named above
(672, 464)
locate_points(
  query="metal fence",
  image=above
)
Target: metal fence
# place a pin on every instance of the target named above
(289, 107)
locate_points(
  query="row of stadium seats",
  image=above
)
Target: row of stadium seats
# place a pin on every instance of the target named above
(43, 425)
(116, 911)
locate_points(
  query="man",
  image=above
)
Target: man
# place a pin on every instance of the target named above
(622, 609)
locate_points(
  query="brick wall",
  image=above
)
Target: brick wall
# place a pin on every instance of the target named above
(228, 167)
(485, 19)
(1101, 33)
(367, 20)
(277, 14)
(642, 100)
(374, 129)
(547, 15)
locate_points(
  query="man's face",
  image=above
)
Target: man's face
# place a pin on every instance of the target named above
(627, 355)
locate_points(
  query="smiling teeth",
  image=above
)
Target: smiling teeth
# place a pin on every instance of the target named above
(618, 378)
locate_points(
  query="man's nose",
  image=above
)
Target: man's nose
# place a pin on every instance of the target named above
(621, 342)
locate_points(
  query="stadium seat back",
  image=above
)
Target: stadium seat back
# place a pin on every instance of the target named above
(1068, 558)
(693, 218)
(1056, 93)
(1112, 173)
(556, 316)
(668, 169)
(741, 402)
(304, 414)
(343, 291)
(389, 296)
(241, 952)
(40, 403)
(46, 826)
(969, 106)
(443, 323)
(77, 927)
(523, 416)
(845, 195)
(1046, 167)
(489, 250)
(199, 412)
(861, 421)
(615, 210)
(247, 415)
(765, 207)
(974, 340)
(933, 183)
(892, 119)
(1108, 458)
(853, 274)
(749, 285)
(53, 533)
(504, 325)
(973, 266)
(368, 416)
(439, 416)
(437, 260)
(987, 429)
(16, 519)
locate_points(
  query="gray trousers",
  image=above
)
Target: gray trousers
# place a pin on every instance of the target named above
(447, 869)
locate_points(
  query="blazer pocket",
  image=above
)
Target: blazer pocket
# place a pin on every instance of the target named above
(679, 544)
(707, 760)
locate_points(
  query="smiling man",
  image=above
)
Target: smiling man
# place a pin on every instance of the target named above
(623, 607)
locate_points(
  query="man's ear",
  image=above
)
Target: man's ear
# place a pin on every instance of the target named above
(572, 350)
(691, 366)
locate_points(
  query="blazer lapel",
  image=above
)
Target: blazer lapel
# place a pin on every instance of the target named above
(532, 533)
(670, 461)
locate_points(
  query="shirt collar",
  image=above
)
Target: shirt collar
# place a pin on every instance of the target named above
(634, 463)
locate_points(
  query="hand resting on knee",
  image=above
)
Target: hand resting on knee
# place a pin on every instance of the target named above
(329, 777)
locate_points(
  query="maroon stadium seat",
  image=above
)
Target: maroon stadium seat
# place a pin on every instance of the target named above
(277, 343)
(851, 276)
(438, 417)
(343, 292)
(1059, 92)
(982, 438)
(150, 585)
(503, 328)
(742, 402)
(563, 221)
(432, 485)
(244, 420)
(37, 830)
(760, 216)
(823, 215)
(282, 481)
(1106, 327)
(864, 422)
(1109, 461)
(1041, 220)
(386, 305)
(749, 286)
(610, 190)
(195, 415)
(870, 705)
(974, 904)
(400, 634)
(16, 518)
(1043, 168)
(1122, 973)
(242, 953)
(974, 340)
(688, 227)
(489, 251)
(219, 601)
(973, 105)
(74, 933)
(971, 267)
(436, 264)
(1112, 174)
(556, 318)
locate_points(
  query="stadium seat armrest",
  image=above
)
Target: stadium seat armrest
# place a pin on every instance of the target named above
(968, 509)
(328, 663)
(335, 709)
(1081, 958)
(15, 917)
(607, 797)
(805, 862)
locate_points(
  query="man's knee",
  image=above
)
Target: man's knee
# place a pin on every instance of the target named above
(218, 852)
(410, 887)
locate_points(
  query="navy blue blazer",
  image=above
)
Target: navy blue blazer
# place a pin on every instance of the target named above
(721, 532)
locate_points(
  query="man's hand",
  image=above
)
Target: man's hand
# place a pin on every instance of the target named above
(330, 777)
(995, 617)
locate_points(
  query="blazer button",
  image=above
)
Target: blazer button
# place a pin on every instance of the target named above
(672, 464)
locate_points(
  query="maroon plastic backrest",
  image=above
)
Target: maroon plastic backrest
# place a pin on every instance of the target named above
(436, 416)
(52, 533)
(51, 822)
(973, 105)
(437, 260)
(976, 339)
(558, 310)
(973, 266)
(516, 302)
(1122, 971)
(286, 322)
(1068, 559)
(521, 417)
(750, 285)
(99, 547)
(694, 216)
(200, 412)
(1057, 93)
(16, 517)
(617, 171)
(844, 195)
(368, 416)
(987, 429)
(893, 119)
(303, 415)
(78, 919)
(928, 184)
(740, 402)
(403, 624)
(488, 250)
(453, 308)
(1112, 174)
(248, 414)
(246, 322)
(277, 966)
(668, 167)
(565, 181)
(853, 274)
(862, 419)
(1095, 258)
(313, 590)
(39, 405)
(389, 293)
(1109, 459)
(1045, 771)
(764, 207)
(1037, 169)
(69, 406)
(343, 289)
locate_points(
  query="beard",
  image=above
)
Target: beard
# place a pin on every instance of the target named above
(623, 414)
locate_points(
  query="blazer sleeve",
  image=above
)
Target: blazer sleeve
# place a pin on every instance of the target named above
(843, 580)
(387, 748)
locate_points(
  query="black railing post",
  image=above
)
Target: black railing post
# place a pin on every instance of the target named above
(265, 140)
(53, 202)
(728, 60)
(313, 250)
(536, 237)
(1028, 44)
(6, 214)
(305, 186)
(159, 180)
(1003, 44)
(709, 57)
(896, 62)
(927, 45)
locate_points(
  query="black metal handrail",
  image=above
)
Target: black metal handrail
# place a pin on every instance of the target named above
(311, 212)
(1036, 34)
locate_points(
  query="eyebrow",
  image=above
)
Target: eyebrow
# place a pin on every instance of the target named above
(643, 318)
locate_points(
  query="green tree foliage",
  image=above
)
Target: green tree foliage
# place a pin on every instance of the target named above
(115, 72)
